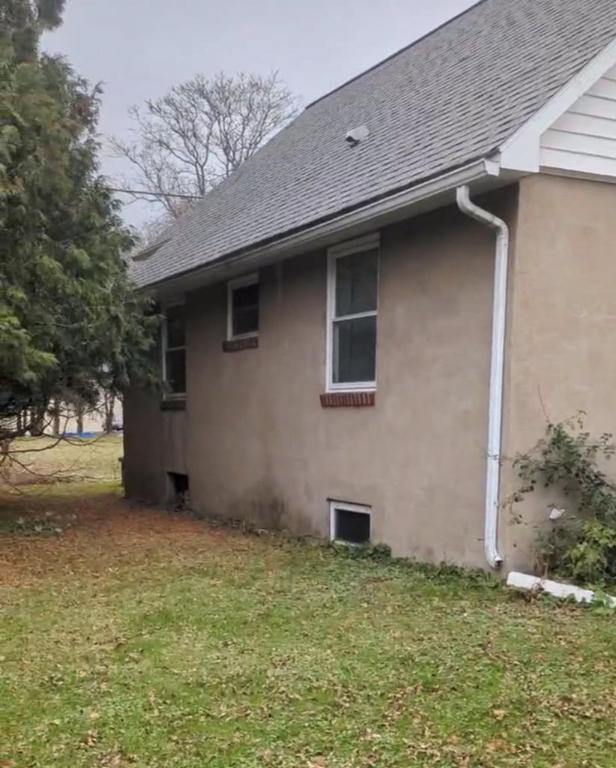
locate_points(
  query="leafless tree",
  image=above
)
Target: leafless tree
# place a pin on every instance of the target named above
(200, 132)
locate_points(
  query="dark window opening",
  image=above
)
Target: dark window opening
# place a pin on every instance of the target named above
(355, 318)
(356, 283)
(176, 327)
(355, 350)
(245, 310)
(350, 526)
(175, 350)
(179, 488)
(176, 370)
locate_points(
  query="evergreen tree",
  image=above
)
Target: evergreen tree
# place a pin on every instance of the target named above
(70, 322)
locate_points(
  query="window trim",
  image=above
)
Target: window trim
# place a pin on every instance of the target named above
(359, 245)
(165, 348)
(232, 285)
(362, 509)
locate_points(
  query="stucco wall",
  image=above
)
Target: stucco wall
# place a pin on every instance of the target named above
(154, 444)
(562, 328)
(259, 446)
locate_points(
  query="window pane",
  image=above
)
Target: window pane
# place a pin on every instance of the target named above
(355, 350)
(176, 371)
(246, 296)
(353, 527)
(356, 283)
(245, 318)
(176, 330)
(246, 321)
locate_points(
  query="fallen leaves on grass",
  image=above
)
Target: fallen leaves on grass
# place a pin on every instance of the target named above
(99, 533)
(139, 637)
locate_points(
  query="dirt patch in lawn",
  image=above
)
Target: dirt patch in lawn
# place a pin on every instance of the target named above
(47, 535)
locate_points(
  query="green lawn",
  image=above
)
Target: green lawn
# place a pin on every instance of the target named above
(131, 637)
(45, 460)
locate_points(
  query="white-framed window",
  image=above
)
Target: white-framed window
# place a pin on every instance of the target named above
(350, 523)
(174, 349)
(243, 307)
(352, 310)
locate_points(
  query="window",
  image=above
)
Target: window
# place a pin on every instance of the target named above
(349, 523)
(174, 350)
(243, 307)
(352, 314)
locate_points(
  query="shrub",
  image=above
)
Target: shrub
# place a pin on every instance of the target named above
(581, 545)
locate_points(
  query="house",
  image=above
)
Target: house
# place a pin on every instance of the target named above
(379, 307)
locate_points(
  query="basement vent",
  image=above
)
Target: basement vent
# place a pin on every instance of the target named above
(179, 488)
(350, 523)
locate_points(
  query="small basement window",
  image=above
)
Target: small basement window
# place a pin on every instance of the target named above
(179, 488)
(350, 523)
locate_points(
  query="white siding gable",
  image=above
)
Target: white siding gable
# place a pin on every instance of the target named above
(583, 140)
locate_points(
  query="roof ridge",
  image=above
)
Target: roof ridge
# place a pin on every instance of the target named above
(400, 51)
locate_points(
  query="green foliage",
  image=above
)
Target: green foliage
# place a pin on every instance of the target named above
(602, 604)
(70, 322)
(22, 21)
(582, 544)
(32, 526)
(376, 552)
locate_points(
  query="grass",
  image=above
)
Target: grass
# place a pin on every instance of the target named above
(44, 460)
(133, 637)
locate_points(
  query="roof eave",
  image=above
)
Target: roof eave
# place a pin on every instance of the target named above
(481, 175)
(150, 250)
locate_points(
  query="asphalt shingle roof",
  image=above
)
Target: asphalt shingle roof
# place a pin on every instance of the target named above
(448, 99)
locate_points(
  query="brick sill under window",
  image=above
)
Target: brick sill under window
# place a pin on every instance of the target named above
(239, 345)
(348, 399)
(173, 404)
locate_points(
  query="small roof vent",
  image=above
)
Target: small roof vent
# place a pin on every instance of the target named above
(356, 135)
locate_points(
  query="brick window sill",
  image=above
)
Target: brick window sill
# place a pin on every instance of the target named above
(348, 399)
(239, 345)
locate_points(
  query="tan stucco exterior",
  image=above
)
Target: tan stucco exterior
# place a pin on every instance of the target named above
(154, 445)
(562, 329)
(258, 446)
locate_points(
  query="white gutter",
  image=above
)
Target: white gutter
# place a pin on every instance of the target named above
(497, 369)
(365, 219)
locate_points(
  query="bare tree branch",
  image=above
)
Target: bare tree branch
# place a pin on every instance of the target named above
(199, 133)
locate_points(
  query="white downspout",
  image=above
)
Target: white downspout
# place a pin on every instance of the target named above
(497, 369)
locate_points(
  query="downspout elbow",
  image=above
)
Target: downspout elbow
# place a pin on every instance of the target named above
(497, 369)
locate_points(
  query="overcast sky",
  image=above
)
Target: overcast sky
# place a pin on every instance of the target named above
(140, 48)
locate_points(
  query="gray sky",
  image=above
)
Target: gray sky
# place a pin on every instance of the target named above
(140, 48)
